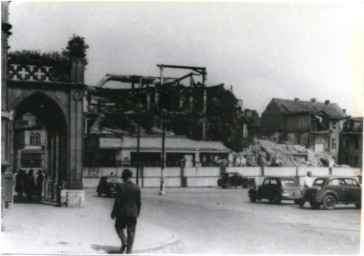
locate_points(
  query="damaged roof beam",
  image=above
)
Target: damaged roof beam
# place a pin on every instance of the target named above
(200, 70)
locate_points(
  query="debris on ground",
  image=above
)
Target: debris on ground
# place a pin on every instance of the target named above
(268, 153)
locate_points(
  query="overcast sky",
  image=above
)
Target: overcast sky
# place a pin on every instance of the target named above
(264, 50)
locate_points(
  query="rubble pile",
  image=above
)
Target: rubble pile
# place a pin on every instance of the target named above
(269, 153)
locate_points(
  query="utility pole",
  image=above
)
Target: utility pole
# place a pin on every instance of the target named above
(162, 190)
(138, 131)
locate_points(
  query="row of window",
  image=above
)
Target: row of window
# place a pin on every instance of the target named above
(338, 182)
(35, 138)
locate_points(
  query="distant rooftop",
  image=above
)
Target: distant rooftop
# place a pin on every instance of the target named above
(332, 110)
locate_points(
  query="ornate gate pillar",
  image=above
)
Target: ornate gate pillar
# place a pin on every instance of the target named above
(76, 139)
(74, 196)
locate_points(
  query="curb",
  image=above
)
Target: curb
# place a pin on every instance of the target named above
(170, 245)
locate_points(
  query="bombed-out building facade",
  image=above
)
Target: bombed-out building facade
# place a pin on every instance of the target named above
(201, 124)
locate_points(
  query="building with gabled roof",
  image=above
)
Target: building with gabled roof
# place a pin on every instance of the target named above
(315, 125)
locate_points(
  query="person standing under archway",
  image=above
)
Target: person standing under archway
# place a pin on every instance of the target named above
(30, 185)
(39, 185)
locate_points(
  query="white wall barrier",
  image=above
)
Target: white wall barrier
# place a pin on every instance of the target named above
(280, 171)
(202, 171)
(202, 181)
(246, 171)
(346, 171)
(90, 182)
(152, 172)
(152, 182)
(316, 171)
(208, 176)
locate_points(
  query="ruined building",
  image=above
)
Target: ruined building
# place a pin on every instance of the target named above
(315, 125)
(146, 105)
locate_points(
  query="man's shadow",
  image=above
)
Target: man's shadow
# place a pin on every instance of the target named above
(109, 249)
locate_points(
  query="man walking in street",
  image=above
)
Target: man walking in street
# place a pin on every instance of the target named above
(126, 210)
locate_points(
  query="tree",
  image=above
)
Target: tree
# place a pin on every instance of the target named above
(76, 47)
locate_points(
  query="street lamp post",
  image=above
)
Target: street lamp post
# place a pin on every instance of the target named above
(138, 132)
(162, 190)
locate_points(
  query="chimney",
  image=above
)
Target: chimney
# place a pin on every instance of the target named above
(296, 99)
(327, 102)
(313, 99)
(344, 110)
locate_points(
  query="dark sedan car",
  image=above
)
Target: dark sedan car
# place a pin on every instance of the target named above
(107, 185)
(329, 191)
(276, 189)
(235, 179)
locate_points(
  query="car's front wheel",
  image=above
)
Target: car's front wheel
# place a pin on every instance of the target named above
(299, 202)
(228, 184)
(275, 198)
(253, 197)
(315, 205)
(329, 202)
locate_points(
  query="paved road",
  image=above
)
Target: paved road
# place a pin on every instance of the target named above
(41, 228)
(212, 220)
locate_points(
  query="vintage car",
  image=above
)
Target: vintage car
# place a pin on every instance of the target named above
(276, 189)
(107, 185)
(329, 191)
(235, 179)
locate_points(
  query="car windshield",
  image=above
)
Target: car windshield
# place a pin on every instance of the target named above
(114, 180)
(288, 182)
(318, 182)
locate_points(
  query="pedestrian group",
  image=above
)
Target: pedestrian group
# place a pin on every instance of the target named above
(26, 183)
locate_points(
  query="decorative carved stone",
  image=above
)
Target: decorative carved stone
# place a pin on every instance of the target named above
(22, 72)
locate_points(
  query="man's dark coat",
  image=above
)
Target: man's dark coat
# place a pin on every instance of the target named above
(127, 202)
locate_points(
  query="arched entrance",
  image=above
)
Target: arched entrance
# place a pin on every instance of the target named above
(48, 154)
(50, 87)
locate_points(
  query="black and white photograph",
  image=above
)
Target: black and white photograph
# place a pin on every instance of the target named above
(185, 127)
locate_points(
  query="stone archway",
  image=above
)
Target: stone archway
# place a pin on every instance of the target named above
(52, 117)
(52, 89)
